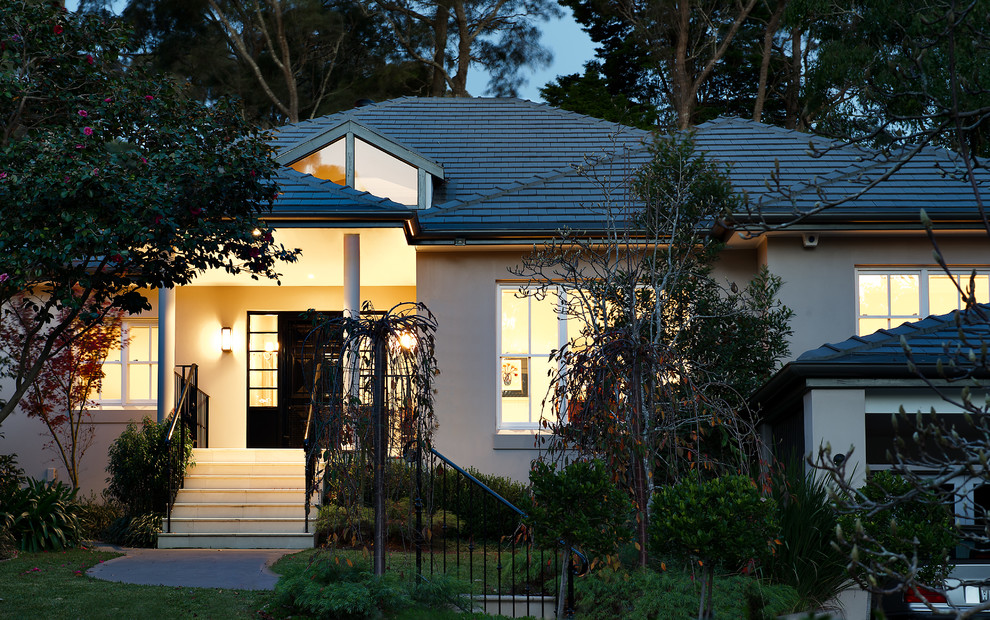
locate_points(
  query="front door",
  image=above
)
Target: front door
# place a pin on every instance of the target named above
(278, 386)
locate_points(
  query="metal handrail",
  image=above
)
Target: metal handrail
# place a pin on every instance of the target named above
(187, 386)
(481, 484)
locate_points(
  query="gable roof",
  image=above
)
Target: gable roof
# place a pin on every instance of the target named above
(944, 340)
(514, 169)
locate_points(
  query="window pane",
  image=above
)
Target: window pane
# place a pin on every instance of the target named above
(263, 361)
(110, 390)
(264, 323)
(515, 322)
(262, 398)
(515, 410)
(942, 295)
(378, 173)
(543, 313)
(868, 326)
(139, 345)
(327, 163)
(263, 342)
(873, 294)
(113, 355)
(539, 382)
(139, 382)
(904, 295)
(263, 379)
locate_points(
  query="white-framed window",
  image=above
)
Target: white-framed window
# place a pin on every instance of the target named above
(530, 327)
(130, 372)
(887, 297)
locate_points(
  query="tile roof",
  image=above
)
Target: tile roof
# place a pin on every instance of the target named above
(947, 337)
(517, 167)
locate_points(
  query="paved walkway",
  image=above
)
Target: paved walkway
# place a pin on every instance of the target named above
(237, 569)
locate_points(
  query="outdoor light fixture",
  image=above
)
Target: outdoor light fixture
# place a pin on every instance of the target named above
(226, 339)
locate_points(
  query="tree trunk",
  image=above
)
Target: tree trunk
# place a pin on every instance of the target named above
(771, 31)
(792, 96)
(438, 85)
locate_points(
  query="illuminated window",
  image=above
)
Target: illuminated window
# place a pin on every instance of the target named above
(130, 372)
(888, 298)
(529, 330)
(263, 360)
(375, 171)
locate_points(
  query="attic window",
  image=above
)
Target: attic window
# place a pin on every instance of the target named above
(374, 171)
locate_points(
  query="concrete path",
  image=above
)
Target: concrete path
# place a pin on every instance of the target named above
(237, 569)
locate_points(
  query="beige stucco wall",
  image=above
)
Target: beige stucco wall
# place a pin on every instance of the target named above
(202, 311)
(820, 283)
(26, 437)
(460, 289)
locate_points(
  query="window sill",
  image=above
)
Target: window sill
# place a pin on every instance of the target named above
(516, 439)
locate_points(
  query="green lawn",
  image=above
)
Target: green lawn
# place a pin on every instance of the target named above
(54, 585)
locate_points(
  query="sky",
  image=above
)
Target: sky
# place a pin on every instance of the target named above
(571, 48)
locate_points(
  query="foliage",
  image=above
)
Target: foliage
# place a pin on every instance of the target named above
(138, 468)
(11, 475)
(901, 532)
(695, 60)
(43, 516)
(61, 394)
(96, 516)
(477, 515)
(656, 382)
(806, 559)
(116, 181)
(285, 61)
(134, 530)
(334, 588)
(723, 522)
(673, 594)
(579, 505)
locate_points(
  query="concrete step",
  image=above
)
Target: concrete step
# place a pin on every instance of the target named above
(189, 509)
(244, 540)
(258, 481)
(247, 468)
(238, 525)
(236, 494)
(248, 455)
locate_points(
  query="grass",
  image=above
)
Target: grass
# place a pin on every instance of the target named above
(54, 585)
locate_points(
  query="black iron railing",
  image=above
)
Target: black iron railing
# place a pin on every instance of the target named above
(466, 529)
(189, 419)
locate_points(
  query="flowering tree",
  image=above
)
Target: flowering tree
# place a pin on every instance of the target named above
(61, 395)
(111, 182)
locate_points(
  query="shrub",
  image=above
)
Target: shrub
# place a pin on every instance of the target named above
(138, 467)
(924, 527)
(334, 588)
(673, 594)
(96, 516)
(43, 516)
(11, 479)
(135, 531)
(480, 515)
(806, 559)
(580, 505)
(720, 522)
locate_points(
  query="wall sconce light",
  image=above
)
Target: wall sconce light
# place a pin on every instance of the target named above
(226, 340)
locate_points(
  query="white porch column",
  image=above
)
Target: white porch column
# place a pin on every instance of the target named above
(352, 295)
(838, 418)
(166, 352)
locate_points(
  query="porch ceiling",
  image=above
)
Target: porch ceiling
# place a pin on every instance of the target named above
(386, 259)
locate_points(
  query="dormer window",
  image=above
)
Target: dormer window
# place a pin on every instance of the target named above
(399, 174)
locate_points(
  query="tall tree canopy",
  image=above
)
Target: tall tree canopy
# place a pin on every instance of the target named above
(112, 182)
(448, 36)
(286, 60)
